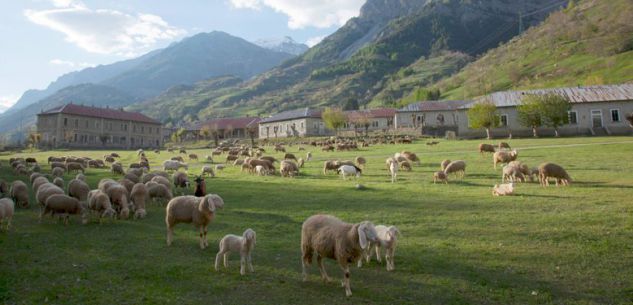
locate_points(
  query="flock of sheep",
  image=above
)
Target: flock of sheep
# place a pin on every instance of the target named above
(323, 236)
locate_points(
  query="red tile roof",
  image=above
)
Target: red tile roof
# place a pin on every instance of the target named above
(105, 113)
(224, 123)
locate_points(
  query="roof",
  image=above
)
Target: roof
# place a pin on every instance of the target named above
(293, 115)
(576, 95)
(224, 123)
(434, 106)
(373, 113)
(98, 112)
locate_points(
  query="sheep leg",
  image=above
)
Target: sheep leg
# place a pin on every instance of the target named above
(345, 283)
(217, 260)
(242, 264)
(249, 259)
(389, 257)
(201, 238)
(170, 235)
(226, 259)
(378, 258)
(206, 242)
(324, 275)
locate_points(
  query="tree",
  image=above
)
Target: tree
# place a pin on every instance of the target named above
(252, 131)
(215, 131)
(361, 119)
(484, 115)
(530, 113)
(334, 118)
(34, 139)
(555, 111)
(180, 133)
(205, 132)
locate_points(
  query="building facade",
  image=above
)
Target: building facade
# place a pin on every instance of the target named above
(432, 118)
(304, 122)
(371, 120)
(225, 128)
(77, 126)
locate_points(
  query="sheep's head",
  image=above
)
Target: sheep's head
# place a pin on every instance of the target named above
(109, 212)
(366, 234)
(393, 232)
(211, 202)
(250, 236)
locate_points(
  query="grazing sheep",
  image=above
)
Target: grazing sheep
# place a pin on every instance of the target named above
(193, 157)
(46, 190)
(349, 170)
(444, 164)
(20, 193)
(503, 189)
(288, 169)
(331, 165)
(4, 188)
(209, 158)
(181, 181)
(127, 184)
(58, 172)
(38, 182)
(59, 181)
(162, 180)
(138, 172)
(158, 191)
(332, 238)
(411, 157)
(58, 164)
(109, 159)
(7, 209)
(117, 168)
(406, 166)
(387, 239)
(243, 245)
(177, 158)
(523, 168)
(114, 155)
(148, 177)
(238, 162)
(551, 170)
(231, 158)
(309, 156)
(270, 159)
(81, 177)
(512, 174)
(183, 151)
(34, 176)
(78, 189)
(138, 196)
(119, 198)
(503, 145)
(290, 156)
(66, 205)
(266, 164)
(486, 148)
(360, 162)
(75, 167)
(207, 170)
(393, 169)
(456, 167)
(440, 176)
(502, 157)
(170, 165)
(191, 209)
(260, 170)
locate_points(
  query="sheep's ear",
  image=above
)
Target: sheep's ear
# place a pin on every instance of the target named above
(362, 237)
(395, 231)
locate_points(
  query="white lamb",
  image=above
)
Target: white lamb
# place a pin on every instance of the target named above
(349, 170)
(503, 189)
(393, 169)
(387, 239)
(244, 245)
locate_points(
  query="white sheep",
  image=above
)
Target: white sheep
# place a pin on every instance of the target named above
(503, 189)
(7, 209)
(349, 170)
(171, 165)
(207, 170)
(191, 209)
(387, 239)
(244, 245)
(219, 167)
(332, 238)
(393, 169)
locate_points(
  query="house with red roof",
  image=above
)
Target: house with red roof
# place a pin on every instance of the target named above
(79, 126)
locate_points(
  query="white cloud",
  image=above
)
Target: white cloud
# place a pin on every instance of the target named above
(71, 64)
(314, 40)
(104, 31)
(303, 13)
(7, 101)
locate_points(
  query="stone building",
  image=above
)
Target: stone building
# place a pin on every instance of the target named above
(304, 122)
(77, 126)
(226, 128)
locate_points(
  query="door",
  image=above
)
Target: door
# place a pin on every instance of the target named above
(596, 118)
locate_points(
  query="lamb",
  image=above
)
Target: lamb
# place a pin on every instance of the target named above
(503, 189)
(59, 182)
(348, 170)
(191, 209)
(456, 167)
(551, 170)
(360, 161)
(440, 176)
(63, 204)
(486, 148)
(138, 196)
(444, 164)
(207, 170)
(181, 180)
(300, 162)
(512, 174)
(244, 245)
(117, 168)
(78, 189)
(7, 209)
(393, 169)
(159, 191)
(170, 165)
(332, 238)
(58, 172)
(46, 190)
(20, 193)
(75, 167)
(330, 165)
(119, 198)
(288, 169)
(387, 239)
(504, 157)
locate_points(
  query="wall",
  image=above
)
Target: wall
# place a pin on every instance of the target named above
(304, 127)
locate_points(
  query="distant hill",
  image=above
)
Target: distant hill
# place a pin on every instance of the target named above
(284, 45)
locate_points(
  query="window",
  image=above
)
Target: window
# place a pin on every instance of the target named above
(76, 123)
(573, 117)
(65, 122)
(374, 124)
(615, 115)
(504, 120)
(86, 124)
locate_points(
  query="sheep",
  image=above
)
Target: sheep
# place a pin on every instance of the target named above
(138, 196)
(181, 180)
(238, 162)
(127, 184)
(260, 170)
(119, 198)
(75, 167)
(114, 155)
(193, 157)
(523, 168)
(78, 189)
(117, 168)
(393, 170)
(457, 167)
(201, 187)
(63, 204)
(4, 188)
(177, 158)
(34, 176)
(46, 190)
(503, 145)
(360, 161)
(332, 238)
(387, 239)
(81, 177)
(37, 183)
(191, 209)
(58, 164)
(406, 166)
(503, 189)
(30, 161)
(207, 170)
(266, 164)
(290, 156)
(411, 157)
(219, 167)
(504, 157)
(440, 176)
(58, 172)
(170, 165)
(231, 158)
(158, 191)
(512, 173)
(182, 151)
(20, 193)
(348, 170)
(105, 184)
(7, 209)
(59, 181)
(272, 160)
(209, 158)
(309, 156)
(330, 165)
(109, 159)
(138, 172)
(147, 177)
(244, 245)
(444, 164)
(551, 170)
(486, 148)
(288, 169)
(247, 168)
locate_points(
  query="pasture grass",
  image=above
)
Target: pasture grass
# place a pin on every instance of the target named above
(459, 245)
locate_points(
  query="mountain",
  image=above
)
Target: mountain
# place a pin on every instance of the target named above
(589, 43)
(359, 59)
(284, 45)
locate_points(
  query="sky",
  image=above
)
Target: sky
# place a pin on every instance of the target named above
(44, 39)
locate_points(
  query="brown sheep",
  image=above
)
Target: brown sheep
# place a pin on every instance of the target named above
(63, 204)
(440, 176)
(59, 182)
(20, 193)
(269, 159)
(290, 156)
(132, 177)
(117, 168)
(46, 190)
(231, 158)
(191, 209)
(138, 196)
(119, 198)
(162, 180)
(127, 184)
(78, 189)
(58, 171)
(360, 161)
(331, 165)
(486, 148)
(193, 157)
(551, 170)
(288, 169)
(503, 145)
(178, 158)
(457, 167)
(411, 157)
(100, 202)
(58, 164)
(38, 182)
(75, 167)
(181, 181)
(444, 164)
(502, 157)
(267, 165)
(406, 166)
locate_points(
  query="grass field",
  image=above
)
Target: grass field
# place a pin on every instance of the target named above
(459, 245)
